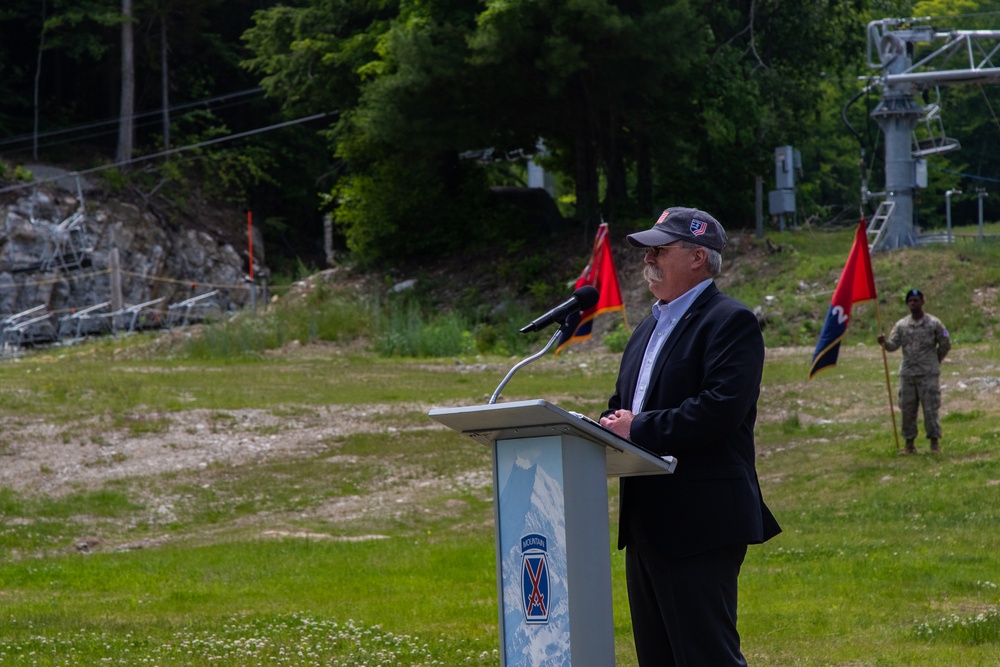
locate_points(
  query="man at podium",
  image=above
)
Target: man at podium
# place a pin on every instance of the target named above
(688, 386)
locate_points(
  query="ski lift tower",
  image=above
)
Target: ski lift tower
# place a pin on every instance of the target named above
(898, 113)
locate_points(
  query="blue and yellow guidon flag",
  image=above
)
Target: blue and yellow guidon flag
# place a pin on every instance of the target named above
(856, 284)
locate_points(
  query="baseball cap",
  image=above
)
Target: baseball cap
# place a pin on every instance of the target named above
(680, 223)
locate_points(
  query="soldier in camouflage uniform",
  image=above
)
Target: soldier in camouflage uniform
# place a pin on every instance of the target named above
(925, 343)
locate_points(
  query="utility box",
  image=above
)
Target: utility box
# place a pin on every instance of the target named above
(786, 161)
(780, 202)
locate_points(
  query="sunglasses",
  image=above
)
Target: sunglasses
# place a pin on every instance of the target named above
(654, 250)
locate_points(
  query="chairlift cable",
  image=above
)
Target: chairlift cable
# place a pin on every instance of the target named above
(115, 120)
(153, 156)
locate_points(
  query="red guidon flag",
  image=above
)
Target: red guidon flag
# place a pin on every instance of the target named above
(601, 274)
(856, 284)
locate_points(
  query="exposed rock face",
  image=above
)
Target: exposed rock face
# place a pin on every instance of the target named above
(55, 251)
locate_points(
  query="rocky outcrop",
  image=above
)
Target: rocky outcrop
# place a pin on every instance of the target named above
(57, 247)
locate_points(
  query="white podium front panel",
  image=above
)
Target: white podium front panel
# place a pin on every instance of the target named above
(553, 556)
(532, 552)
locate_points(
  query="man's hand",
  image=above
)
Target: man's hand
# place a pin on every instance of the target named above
(881, 340)
(620, 423)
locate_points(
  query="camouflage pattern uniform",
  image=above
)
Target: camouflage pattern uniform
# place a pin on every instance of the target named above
(925, 343)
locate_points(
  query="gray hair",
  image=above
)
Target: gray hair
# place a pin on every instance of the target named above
(713, 258)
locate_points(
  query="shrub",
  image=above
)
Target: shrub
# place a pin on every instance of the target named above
(616, 339)
(405, 331)
(338, 320)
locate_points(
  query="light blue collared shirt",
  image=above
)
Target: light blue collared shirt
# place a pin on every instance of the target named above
(667, 316)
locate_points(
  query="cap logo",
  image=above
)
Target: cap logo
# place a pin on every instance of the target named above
(698, 227)
(663, 216)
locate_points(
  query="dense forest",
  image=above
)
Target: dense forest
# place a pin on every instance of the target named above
(403, 119)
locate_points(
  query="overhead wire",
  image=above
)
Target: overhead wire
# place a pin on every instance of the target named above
(963, 174)
(153, 156)
(152, 113)
(114, 130)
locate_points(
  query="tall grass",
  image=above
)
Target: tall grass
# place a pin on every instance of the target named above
(321, 317)
(391, 326)
(404, 330)
(405, 327)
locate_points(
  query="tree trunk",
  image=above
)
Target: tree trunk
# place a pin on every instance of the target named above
(616, 198)
(643, 172)
(165, 83)
(585, 160)
(587, 186)
(38, 83)
(126, 129)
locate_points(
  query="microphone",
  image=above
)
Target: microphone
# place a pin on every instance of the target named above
(583, 299)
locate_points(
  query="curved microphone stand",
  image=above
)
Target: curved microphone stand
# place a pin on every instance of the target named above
(567, 329)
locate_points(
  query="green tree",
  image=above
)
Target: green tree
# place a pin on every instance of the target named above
(640, 101)
(312, 58)
(594, 79)
(763, 86)
(417, 110)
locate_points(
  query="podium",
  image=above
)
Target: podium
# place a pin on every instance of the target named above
(550, 471)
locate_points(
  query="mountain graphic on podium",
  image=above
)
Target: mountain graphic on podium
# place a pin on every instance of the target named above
(532, 502)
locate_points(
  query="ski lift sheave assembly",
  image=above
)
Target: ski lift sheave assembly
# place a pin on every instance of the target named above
(966, 56)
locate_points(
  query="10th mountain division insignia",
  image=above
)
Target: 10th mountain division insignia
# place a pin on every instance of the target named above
(535, 578)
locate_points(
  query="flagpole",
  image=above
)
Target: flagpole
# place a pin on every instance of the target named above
(885, 356)
(885, 361)
(888, 384)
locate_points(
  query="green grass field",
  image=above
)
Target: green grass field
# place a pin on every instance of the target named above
(885, 559)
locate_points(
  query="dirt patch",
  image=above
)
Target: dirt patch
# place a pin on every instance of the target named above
(42, 457)
(204, 448)
(56, 460)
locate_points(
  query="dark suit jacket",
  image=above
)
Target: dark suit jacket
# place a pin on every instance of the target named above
(700, 407)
